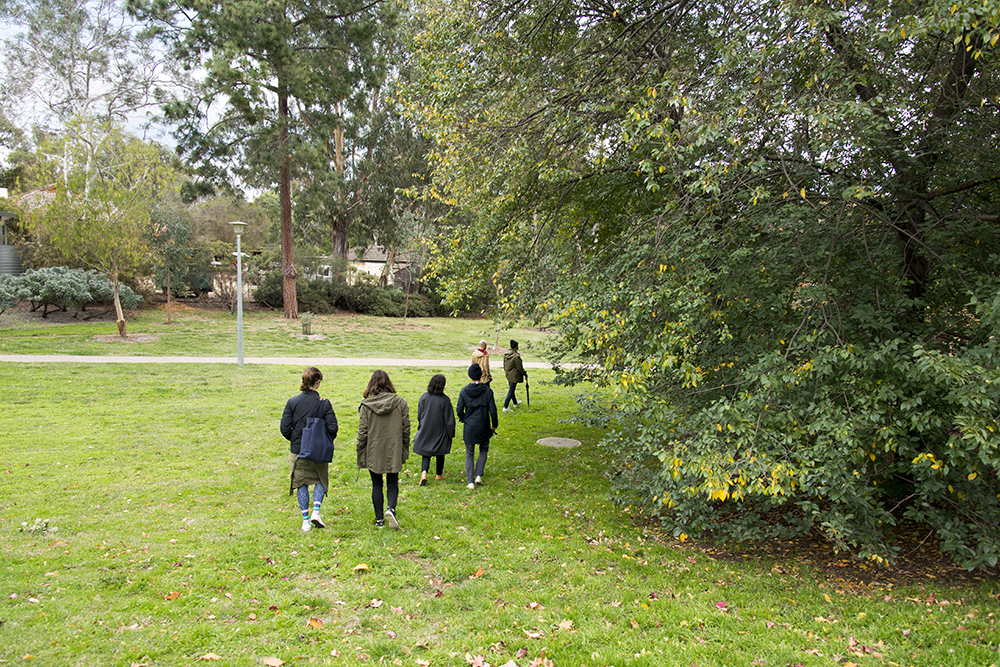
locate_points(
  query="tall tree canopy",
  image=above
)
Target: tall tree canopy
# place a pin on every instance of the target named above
(78, 59)
(281, 81)
(771, 226)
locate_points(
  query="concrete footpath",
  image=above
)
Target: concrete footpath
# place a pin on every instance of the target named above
(278, 361)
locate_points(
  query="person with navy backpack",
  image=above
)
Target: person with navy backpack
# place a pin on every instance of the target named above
(304, 471)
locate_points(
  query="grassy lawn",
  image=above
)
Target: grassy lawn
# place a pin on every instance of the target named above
(212, 333)
(168, 537)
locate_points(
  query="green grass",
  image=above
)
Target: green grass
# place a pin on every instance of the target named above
(208, 333)
(177, 540)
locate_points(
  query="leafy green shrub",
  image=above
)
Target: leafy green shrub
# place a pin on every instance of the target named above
(8, 292)
(60, 288)
(323, 296)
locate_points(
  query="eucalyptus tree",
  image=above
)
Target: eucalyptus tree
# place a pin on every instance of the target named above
(772, 226)
(280, 82)
(67, 60)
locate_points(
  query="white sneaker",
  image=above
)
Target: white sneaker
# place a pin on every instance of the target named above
(306, 525)
(479, 480)
(471, 486)
(508, 410)
(317, 520)
(517, 404)
(390, 519)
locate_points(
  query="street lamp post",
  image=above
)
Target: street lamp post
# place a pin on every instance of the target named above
(238, 228)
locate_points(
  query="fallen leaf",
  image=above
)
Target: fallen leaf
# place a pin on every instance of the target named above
(273, 662)
(535, 605)
(532, 635)
(376, 603)
(722, 604)
(566, 625)
(478, 573)
(396, 610)
(769, 624)
(314, 622)
(392, 635)
(423, 663)
(173, 595)
(211, 656)
(635, 626)
(361, 567)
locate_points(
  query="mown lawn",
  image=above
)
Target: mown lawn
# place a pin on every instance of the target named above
(177, 544)
(198, 332)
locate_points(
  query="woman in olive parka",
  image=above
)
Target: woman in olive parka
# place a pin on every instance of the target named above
(383, 442)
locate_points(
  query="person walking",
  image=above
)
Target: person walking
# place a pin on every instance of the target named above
(435, 428)
(383, 442)
(303, 471)
(513, 368)
(482, 358)
(477, 410)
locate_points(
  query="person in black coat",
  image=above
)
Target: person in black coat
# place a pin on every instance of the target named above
(435, 429)
(477, 410)
(303, 471)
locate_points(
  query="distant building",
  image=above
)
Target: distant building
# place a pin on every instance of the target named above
(404, 273)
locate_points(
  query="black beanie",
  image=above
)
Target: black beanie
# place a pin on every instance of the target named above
(513, 344)
(475, 372)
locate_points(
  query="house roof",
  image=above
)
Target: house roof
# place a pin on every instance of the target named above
(376, 253)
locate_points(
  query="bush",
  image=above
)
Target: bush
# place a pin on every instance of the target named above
(365, 296)
(60, 288)
(8, 292)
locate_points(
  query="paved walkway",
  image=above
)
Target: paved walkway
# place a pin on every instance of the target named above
(280, 361)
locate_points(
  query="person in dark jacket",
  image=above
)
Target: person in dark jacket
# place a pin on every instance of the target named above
(477, 410)
(383, 442)
(303, 471)
(435, 428)
(513, 368)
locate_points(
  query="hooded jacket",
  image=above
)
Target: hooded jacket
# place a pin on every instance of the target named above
(477, 410)
(383, 433)
(513, 367)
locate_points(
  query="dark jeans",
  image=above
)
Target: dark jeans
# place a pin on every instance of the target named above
(392, 482)
(425, 464)
(510, 394)
(471, 472)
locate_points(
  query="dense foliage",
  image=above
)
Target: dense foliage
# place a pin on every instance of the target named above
(365, 296)
(772, 227)
(64, 289)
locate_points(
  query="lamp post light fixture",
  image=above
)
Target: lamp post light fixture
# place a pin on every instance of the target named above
(238, 228)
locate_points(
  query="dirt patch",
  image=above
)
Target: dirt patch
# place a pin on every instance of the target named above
(22, 313)
(410, 326)
(129, 338)
(920, 558)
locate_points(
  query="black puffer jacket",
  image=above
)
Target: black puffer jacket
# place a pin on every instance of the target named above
(293, 419)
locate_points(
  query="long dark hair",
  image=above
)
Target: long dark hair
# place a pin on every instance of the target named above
(379, 384)
(310, 377)
(436, 385)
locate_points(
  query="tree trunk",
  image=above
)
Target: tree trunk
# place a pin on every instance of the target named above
(288, 273)
(168, 296)
(387, 267)
(120, 314)
(338, 234)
